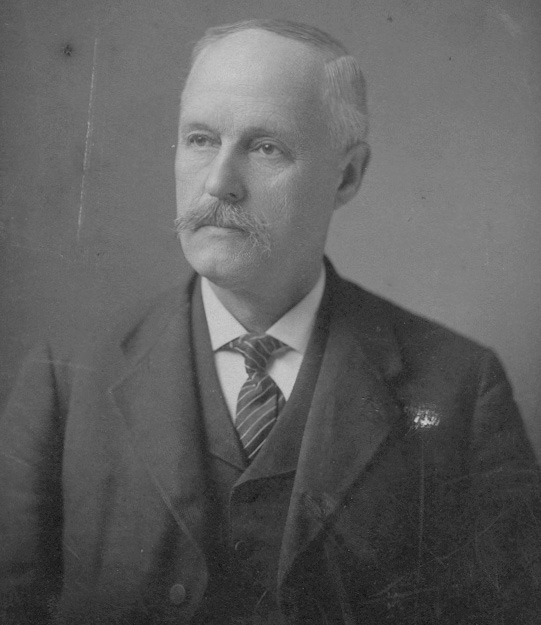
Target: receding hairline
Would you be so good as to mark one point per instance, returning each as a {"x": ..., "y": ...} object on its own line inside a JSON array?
[
  {"x": 260, "y": 46},
  {"x": 315, "y": 38}
]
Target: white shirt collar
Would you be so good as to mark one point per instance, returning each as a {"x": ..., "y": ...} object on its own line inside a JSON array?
[{"x": 293, "y": 329}]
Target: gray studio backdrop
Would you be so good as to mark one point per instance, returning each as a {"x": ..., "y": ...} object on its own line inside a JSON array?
[{"x": 448, "y": 219}]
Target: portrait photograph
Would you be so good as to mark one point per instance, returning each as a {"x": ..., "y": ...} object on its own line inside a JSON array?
[{"x": 270, "y": 294}]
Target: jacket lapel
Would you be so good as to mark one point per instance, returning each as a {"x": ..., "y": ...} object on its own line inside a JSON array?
[
  {"x": 159, "y": 408},
  {"x": 351, "y": 415}
]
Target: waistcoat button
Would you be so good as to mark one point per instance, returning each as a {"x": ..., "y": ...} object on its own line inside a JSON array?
[
  {"x": 177, "y": 594},
  {"x": 242, "y": 549}
]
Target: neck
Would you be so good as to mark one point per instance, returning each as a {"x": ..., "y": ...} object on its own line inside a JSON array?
[{"x": 256, "y": 311}]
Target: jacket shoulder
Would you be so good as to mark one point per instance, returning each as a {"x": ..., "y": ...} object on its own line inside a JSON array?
[
  {"x": 421, "y": 341},
  {"x": 103, "y": 350}
]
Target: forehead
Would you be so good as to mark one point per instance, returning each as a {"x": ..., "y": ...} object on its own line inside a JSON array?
[
  {"x": 257, "y": 54},
  {"x": 255, "y": 72}
]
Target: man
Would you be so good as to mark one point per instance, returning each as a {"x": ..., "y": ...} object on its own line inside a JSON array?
[{"x": 269, "y": 443}]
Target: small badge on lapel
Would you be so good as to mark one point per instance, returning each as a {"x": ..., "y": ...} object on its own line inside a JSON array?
[{"x": 423, "y": 417}]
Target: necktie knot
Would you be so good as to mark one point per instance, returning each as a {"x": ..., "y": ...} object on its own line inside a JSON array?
[{"x": 257, "y": 349}]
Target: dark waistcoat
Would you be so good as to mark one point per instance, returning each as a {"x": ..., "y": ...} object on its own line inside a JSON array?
[{"x": 248, "y": 504}]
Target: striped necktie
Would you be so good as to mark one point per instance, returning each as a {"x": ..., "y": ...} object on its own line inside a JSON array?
[{"x": 260, "y": 400}]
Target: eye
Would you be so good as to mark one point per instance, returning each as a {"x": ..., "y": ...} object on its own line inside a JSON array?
[
  {"x": 268, "y": 149},
  {"x": 199, "y": 140}
]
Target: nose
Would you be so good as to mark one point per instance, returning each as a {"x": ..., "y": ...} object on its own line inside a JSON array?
[{"x": 224, "y": 180}]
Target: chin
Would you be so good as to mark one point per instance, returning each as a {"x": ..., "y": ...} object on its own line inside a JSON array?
[{"x": 225, "y": 268}]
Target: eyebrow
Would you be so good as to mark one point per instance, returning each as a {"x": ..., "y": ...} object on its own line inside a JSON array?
[
  {"x": 250, "y": 131},
  {"x": 195, "y": 126}
]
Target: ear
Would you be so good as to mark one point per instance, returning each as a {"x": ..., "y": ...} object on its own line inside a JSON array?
[{"x": 352, "y": 168}]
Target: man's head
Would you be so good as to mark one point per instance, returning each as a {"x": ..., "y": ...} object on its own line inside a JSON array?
[{"x": 271, "y": 141}]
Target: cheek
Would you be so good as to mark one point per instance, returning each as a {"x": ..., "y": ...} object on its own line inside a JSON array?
[
  {"x": 190, "y": 167},
  {"x": 293, "y": 195},
  {"x": 189, "y": 183},
  {"x": 276, "y": 201}
]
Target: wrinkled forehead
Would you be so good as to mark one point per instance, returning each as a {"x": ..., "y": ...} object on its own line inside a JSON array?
[{"x": 259, "y": 62}]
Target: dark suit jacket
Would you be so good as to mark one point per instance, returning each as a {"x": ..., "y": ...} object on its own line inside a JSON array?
[{"x": 415, "y": 500}]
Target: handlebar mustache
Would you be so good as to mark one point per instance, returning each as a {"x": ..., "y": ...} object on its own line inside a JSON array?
[{"x": 224, "y": 215}]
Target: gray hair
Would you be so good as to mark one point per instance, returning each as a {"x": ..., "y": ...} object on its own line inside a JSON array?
[{"x": 344, "y": 93}]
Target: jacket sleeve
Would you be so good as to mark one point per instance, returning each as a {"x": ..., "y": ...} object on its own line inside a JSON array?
[
  {"x": 505, "y": 501},
  {"x": 31, "y": 434}
]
